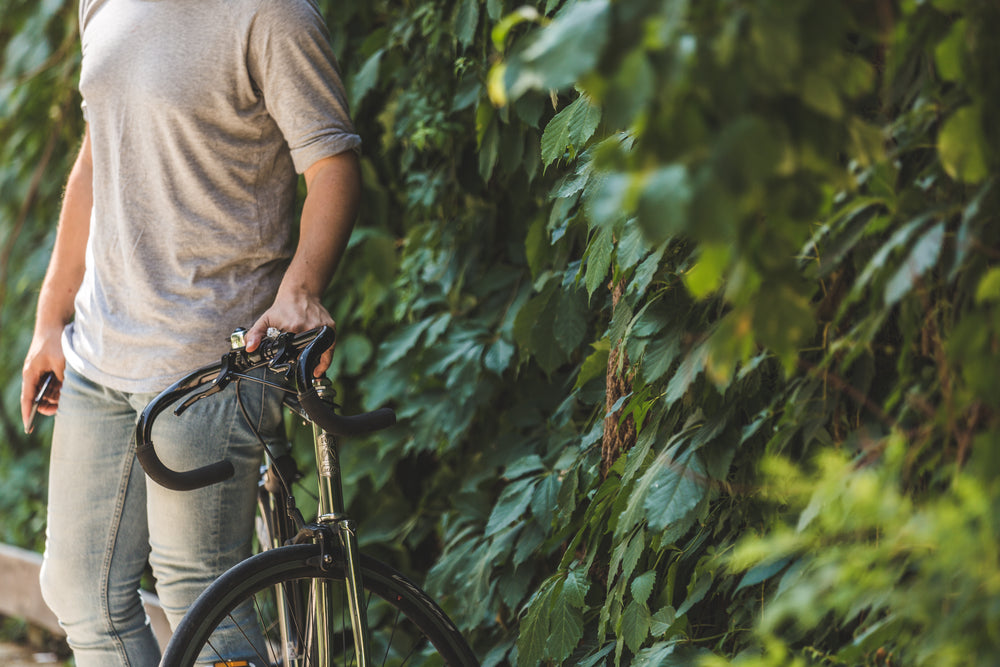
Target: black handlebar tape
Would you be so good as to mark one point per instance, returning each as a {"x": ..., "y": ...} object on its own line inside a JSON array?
[
  {"x": 321, "y": 412},
  {"x": 181, "y": 481},
  {"x": 146, "y": 454}
]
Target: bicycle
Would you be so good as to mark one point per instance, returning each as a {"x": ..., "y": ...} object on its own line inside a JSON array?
[{"x": 310, "y": 597}]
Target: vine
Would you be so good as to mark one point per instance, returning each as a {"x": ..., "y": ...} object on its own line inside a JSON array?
[{"x": 795, "y": 204}]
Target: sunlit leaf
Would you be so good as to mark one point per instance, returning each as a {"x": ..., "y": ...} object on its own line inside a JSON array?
[
  {"x": 988, "y": 290},
  {"x": 554, "y": 57},
  {"x": 707, "y": 273},
  {"x": 948, "y": 53},
  {"x": 961, "y": 145}
]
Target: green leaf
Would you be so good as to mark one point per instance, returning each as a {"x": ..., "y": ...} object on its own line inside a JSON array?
[
  {"x": 783, "y": 319},
  {"x": 697, "y": 588},
  {"x": 878, "y": 260},
  {"x": 635, "y": 625},
  {"x": 968, "y": 230},
  {"x": 665, "y": 201},
  {"x": 569, "y": 130},
  {"x": 961, "y": 145},
  {"x": 598, "y": 658},
  {"x": 923, "y": 256},
  {"x": 661, "y": 352},
  {"x": 543, "y": 503},
  {"x": 566, "y": 624},
  {"x": 654, "y": 320},
  {"x": 498, "y": 356},
  {"x": 820, "y": 93},
  {"x": 631, "y": 89},
  {"x": 609, "y": 197},
  {"x": 511, "y": 505},
  {"x": 466, "y": 21},
  {"x": 706, "y": 276},
  {"x": 689, "y": 370},
  {"x": 556, "y": 56},
  {"x": 571, "y": 319},
  {"x": 676, "y": 486},
  {"x": 489, "y": 149},
  {"x": 762, "y": 572},
  {"x": 642, "y": 586},
  {"x": 645, "y": 272},
  {"x": 633, "y": 552},
  {"x": 366, "y": 78},
  {"x": 509, "y": 22},
  {"x": 399, "y": 344},
  {"x": 595, "y": 365},
  {"x": 658, "y": 655},
  {"x": 988, "y": 289},
  {"x": 523, "y": 466},
  {"x": 632, "y": 246},
  {"x": 537, "y": 247},
  {"x": 533, "y": 330},
  {"x": 662, "y": 620},
  {"x": 598, "y": 260},
  {"x": 356, "y": 351},
  {"x": 575, "y": 588},
  {"x": 533, "y": 635},
  {"x": 948, "y": 53}
]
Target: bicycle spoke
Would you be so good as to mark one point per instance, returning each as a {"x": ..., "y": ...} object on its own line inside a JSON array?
[
  {"x": 218, "y": 656},
  {"x": 260, "y": 616},
  {"x": 388, "y": 644}
]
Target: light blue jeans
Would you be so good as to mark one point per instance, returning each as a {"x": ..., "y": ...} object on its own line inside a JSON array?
[{"x": 105, "y": 518}]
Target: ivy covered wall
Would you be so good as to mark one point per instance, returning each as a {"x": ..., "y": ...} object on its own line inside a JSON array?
[{"x": 690, "y": 311}]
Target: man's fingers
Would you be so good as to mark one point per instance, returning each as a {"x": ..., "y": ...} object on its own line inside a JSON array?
[
  {"x": 256, "y": 334},
  {"x": 26, "y": 396},
  {"x": 324, "y": 363}
]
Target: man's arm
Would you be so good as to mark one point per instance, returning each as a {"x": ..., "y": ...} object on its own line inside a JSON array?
[
  {"x": 61, "y": 283},
  {"x": 333, "y": 189}
]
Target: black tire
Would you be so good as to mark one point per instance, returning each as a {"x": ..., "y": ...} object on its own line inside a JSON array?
[{"x": 399, "y": 614}]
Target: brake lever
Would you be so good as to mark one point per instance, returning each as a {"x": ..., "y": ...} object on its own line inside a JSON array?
[
  {"x": 281, "y": 361},
  {"x": 274, "y": 345},
  {"x": 218, "y": 384}
]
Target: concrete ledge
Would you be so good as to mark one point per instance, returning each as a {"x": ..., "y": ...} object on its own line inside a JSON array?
[{"x": 21, "y": 596}]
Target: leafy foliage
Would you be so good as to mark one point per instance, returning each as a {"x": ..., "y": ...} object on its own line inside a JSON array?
[{"x": 774, "y": 222}]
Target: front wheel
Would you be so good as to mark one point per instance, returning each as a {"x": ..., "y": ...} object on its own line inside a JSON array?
[{"x": 235, "y": 621}]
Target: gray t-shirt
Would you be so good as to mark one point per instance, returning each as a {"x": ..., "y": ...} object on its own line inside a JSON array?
[{"x": 200, "y": 113}]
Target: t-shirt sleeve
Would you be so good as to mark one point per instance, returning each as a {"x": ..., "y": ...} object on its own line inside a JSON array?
[{"x": 291, "y": 63}]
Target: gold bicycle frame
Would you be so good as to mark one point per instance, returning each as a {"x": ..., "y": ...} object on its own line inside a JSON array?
[{"x": 331, "y": 516}]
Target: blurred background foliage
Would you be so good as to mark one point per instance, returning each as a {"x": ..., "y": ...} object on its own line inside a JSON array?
[{"x": 690, "y": 311}]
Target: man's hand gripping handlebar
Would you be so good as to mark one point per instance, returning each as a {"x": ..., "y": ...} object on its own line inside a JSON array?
[{"x": 280, "y": 352}]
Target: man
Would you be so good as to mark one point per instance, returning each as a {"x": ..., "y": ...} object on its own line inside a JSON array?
[{"x": 176, "y": 227}]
